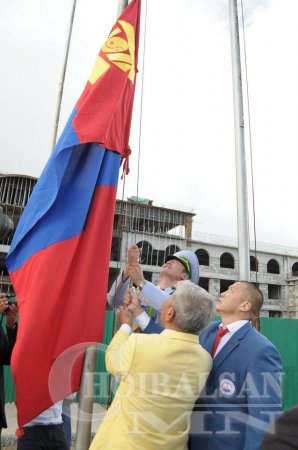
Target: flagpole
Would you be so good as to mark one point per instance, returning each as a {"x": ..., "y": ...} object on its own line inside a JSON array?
[
  {"x": 241, "y": 175},
  {"x": 62, "y": 78},
  {"x": 122, "y": 4},
  {"x": 85, "y": 408}
]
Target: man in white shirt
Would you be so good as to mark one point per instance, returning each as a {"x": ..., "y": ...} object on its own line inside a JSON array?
[
  {"x": 182, "y": 265},
  {"x": 45, "y": 432}
]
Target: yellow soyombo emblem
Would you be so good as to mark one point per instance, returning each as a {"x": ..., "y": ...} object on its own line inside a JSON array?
[{"x": 114, "y": 49}]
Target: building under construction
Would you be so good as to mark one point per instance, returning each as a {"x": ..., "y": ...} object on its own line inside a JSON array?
[{"x": 160, "y": 231}]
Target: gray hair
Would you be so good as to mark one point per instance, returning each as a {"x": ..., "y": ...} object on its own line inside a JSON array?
[{"x": 194, "y": 307}]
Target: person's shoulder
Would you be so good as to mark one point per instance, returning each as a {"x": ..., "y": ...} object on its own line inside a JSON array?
[
  {"x": 150, "y": 343},
  {"x": 257, "y": 335},
  {"x": 211, "y": 327},
  {"x": 146, "y": 337},
  {"x": 155, "y": 338},
  {"x": 261, "y": 341}
]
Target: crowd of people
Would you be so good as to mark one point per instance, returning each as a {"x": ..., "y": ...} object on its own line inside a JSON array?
[{"x": 186, "y": 381}]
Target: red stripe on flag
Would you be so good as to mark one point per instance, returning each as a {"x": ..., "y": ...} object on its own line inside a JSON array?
[{"x": 68, "y": 288}]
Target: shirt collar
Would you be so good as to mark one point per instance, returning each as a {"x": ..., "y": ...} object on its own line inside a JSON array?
[{"x": 234, "y": 326}]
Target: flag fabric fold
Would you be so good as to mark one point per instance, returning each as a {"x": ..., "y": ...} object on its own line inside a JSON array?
[{"x": 59, "y": 258}]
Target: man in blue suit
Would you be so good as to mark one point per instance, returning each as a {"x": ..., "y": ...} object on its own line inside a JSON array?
[{"x": 243, "y": 391}]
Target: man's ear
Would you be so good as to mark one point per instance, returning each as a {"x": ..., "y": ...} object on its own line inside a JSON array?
[
  {"x": 184, "y": 276},
  {"x": 245, "y": 306},
  {"x": 170, "y": 314}
]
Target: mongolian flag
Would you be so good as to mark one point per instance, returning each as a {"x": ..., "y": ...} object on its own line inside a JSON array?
[{"x": 59, "y": 257}]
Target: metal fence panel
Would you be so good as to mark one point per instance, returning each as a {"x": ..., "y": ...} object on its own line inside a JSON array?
[{"x": 283, "y": 333}]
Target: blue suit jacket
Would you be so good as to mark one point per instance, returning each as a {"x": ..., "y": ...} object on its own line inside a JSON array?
[{"x": 242, "y": 395}]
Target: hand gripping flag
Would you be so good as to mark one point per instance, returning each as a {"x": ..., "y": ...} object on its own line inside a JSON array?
[{"x": 59, "y": 257}]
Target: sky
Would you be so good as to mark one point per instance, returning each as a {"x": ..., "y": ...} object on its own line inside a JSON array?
[{"x": 183, "y": 125}]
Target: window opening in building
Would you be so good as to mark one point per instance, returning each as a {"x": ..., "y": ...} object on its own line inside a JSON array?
[
  {"x": 295, "y": 269},
  {"x": 146, "y": 253},
  {"x": 227, "y": 261},
  {"x": 203, "y": 257},
  {"x": 275, "y": 314},
  {"x": 274, "y": 291},
  {"x": 171, "y": 249},
  {"x": 204, "y": 283},
  {"x": 254, "y": 267},
  {"x": 115, "y": 250},
  {"x": 272, "y": 266},
  {"x": 224, "y": 285}
]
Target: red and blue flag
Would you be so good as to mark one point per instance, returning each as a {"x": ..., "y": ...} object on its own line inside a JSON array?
[{"x": 59, "y": 257}]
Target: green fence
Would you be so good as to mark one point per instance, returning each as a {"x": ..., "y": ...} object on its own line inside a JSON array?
[
  {"x": 102, "y": 378},
  {"x": 8, "y": 381},
  {"x": 284, "y": 335},
  {"x": 282, "y": 332}
]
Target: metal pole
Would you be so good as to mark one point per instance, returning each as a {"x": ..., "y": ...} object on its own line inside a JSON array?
[
  {"x": 62, "y": 78},
  {"x": 84, "y": 420},
  {"x": 241, "y": 176},
  {"x": 122, "y": 4}
]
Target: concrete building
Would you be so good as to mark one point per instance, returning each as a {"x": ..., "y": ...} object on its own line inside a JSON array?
[
  {"x": 15, "y": 191},
  {"x": 160, "y": 231}
]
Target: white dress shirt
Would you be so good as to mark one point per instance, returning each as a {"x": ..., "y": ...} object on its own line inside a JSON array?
[
  {"x": 51, "y": 416},
  {"x": 232, "y": 327}
]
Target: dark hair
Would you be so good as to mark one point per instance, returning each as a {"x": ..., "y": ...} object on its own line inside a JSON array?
[{"x": 254, "y": 295}]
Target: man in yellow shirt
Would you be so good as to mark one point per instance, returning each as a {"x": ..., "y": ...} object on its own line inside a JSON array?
[{"x": 161, "y": 375}]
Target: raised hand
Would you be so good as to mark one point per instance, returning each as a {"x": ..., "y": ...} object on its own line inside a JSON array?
[
  {"x": 124, "y": 316},
  {"x": 132, "y": 304}
]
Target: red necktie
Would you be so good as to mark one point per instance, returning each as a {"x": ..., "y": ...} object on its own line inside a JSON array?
[{"x": 221, "y": 332}]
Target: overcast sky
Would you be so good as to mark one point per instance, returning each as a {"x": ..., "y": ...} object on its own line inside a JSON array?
[{"x": 187, "y": 155}]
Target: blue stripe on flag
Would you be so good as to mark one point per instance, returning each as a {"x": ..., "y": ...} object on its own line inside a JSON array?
[{"x": 68, "y": 204}]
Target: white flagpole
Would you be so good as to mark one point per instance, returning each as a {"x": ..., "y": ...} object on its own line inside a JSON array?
[
  {"x": 84, "y": 420},
  {"x": 85, "y": 408},
  {"x": 62, "y": 78},
  {"x": 122, "y": 4},
  {"x": 241, "y": 175}
]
